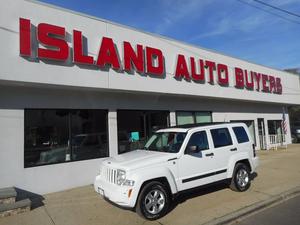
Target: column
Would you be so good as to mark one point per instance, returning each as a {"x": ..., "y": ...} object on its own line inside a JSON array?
[
  {"x": 172, "y": 118},
  {"x": 112, "y": 132}
]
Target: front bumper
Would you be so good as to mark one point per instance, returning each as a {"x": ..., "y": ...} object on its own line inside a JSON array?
[{"x": 115, "y": 193}]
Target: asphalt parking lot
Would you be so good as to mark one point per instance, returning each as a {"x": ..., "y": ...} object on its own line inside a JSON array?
[{"x": 278, "y": 173}]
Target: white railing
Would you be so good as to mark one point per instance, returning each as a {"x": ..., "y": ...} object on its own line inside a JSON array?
[{"x": 277, "y": 140}]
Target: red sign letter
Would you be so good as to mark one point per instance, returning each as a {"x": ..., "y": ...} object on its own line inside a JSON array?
[
  {"x": 257, "y": 78},
  {"x": 79, "y": 57},
  {"x": 222, "y": 80},
  {"x": 272, "y": 84},
  {"x": 25, "y": 40},
  {"x": 279, "y": 86},
  {"x": 108, "y": 54},
  {"x": 151, "y": 55},
  {"x": 181, "y": 68},
  {"x": 249, "y": 82},
  {"x": 200, "y": 75},
  {"x": 239, "y": 78},
  {"x": 211, "y": 66},
  {"x": 45, "y": 37},
  {"x": 130, "y": 57},
  {"x": 264, "y": 82}
]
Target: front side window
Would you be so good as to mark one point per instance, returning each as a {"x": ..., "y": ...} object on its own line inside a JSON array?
[
  {"x": 199, "y": 141},
  {"x": 61, "y": 135},
  {"x": 240, "y": 134},
  {"x": 165, "y": 142},
  {"x": 221, "y": 137}
]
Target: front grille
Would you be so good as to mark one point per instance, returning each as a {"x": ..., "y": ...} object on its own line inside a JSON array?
[{"x": 111, "y": 175}]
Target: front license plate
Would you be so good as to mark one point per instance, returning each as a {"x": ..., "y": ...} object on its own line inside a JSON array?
[{"x": 101, "y": 191}]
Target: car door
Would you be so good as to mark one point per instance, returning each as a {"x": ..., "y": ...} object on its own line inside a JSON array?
[
  {"x": 223, "y": 148},
  {"x": 197, "y": 162}
]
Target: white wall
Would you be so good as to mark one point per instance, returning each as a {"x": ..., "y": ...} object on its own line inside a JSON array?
[{"x": 21, "y": 70}]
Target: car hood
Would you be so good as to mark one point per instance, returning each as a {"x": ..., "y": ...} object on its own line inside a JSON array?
[{"x": 138, "y": 159}]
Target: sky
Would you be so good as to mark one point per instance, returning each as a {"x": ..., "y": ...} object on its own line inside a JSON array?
[{"x": 240, "y": 28}]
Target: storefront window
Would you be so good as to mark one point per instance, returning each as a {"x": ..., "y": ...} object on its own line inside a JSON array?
[
  {"x": 274, "y": 127},
  {"x": 55, "y": 136},
  {"x": 136, "y": 126},
  {"x": 184, "y": 117}
]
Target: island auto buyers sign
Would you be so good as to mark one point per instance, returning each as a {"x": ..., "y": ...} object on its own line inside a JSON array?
[{"x": 148, "y": 60}]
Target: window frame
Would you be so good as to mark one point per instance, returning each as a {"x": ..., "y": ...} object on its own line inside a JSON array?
[{"x": 69, "y": 134}]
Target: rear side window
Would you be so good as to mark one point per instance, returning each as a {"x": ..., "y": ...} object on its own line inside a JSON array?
[
  {"x": 221, "y": 137},
  {"x": 240, "y": 134}
]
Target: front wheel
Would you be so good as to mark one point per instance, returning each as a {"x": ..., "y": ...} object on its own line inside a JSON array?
[
  {"x": 240, "y": 180},
  {"x": 153, "y": 201}
]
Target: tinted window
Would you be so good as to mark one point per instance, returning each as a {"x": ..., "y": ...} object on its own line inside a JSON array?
[
  {"x": 60, "y": 135},
  {"x": 199, "y": 139},
  {"x": 221, "y": 137},
  {"x": 240, "y": 134}
]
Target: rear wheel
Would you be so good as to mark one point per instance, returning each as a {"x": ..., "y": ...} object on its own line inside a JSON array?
[
  {"x": 240, "y": 180},
  {"x": 153, "y": 201}
]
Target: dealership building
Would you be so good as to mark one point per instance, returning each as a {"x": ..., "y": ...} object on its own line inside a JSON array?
[{"x": 75, "y": 89}]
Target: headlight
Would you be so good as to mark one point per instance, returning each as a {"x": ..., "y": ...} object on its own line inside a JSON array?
[
  {"x": 121, "y": 176},
  {"x": 121, "y": 179}
]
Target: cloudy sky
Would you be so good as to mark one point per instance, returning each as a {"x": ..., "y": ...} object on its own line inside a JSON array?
[{"x": 241, "y": 28}]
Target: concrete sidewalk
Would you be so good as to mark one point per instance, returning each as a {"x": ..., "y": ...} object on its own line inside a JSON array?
[{"x": 278, "y": 173}]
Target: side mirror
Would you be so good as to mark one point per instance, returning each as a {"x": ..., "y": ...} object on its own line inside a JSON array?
[{"x": 191, "y": 149}]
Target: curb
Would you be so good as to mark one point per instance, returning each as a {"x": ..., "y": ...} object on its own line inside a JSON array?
[{"x": 255, "y": 207}]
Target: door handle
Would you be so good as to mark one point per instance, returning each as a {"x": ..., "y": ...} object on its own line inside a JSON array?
[
  {"x": 233, "y": 149},
  {"x": 210, "y": 154}
]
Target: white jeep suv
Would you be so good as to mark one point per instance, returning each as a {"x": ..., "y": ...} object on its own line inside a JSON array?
[{"x": 176, "y": 159}]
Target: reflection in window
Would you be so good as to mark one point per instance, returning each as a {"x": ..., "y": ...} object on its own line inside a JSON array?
[{"x": 54, "y": 136}]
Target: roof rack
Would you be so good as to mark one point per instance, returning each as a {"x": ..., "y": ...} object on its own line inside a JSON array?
[{"x": 199, "y": 125}]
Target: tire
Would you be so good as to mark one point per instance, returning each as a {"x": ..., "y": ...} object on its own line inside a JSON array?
[
  {"x": 240, "y": 180},
  {"x": 153, "y": 201}
]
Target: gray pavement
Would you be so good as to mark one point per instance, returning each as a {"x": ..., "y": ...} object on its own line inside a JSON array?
[
  {"x": 287, "y": 212},
  {"x": 278, "y": 173}
]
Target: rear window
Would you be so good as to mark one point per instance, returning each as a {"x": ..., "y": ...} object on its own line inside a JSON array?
[
  {"x": 221, "y": 137},
  {"x": 240, "y": 134}
]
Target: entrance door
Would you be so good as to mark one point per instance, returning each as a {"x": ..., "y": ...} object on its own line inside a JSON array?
[
  {"x": 136, "y": 126},
  {"x": 262, "y": 133}
]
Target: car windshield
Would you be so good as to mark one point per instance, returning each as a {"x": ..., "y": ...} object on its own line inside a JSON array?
[{"x": 165, "y": 142}]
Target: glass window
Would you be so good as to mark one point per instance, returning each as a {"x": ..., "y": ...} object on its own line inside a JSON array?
[
  {"x": 198, "y": 139},
  {"x": 60, "y": 135},
  {"x": 136, "y": 126},
  {"x": 240, "y": 134},
  {"x": 89, "y": 134},
  {"x": 184, "y": 117},
  {"x": 203, "y": 117},
  {"x": 165, "y": 142},
  {"x": 221, "y": 137}
]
